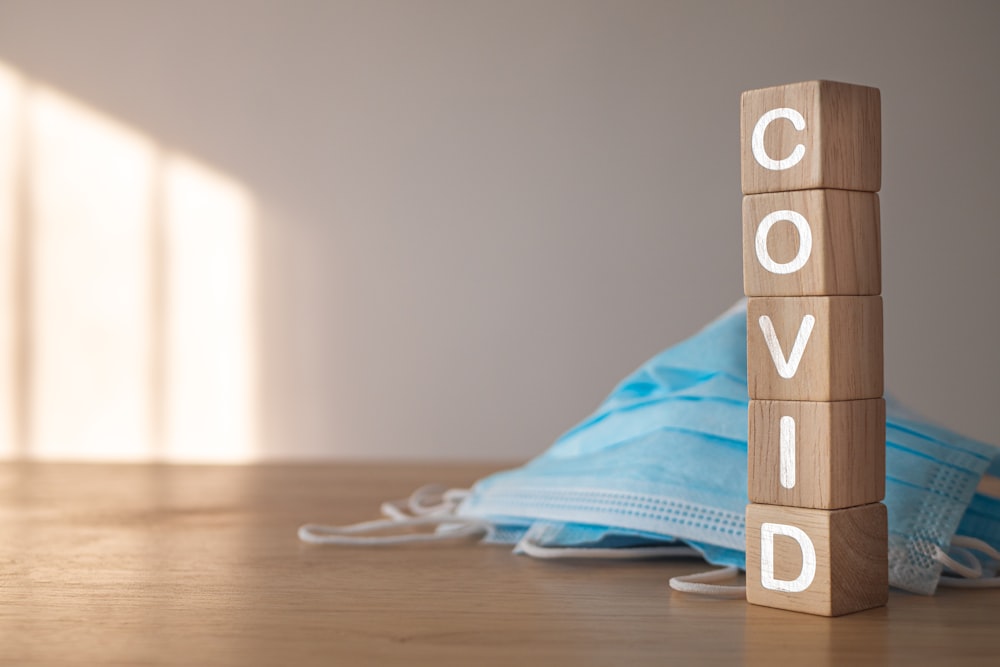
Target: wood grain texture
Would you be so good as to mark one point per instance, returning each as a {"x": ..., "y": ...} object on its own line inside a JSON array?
[
  {"x": 844, "y": 255},
  {"x": 839, "y": 453},
  {"x": 842, "y": 359},
  {"x": 171, "y": 565},
  {"x": 851, "y": 546},
  {"x": 841, "y": 137}
]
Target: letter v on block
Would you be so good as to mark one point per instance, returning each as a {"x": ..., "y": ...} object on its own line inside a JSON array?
[
  {"x": 833, "y": 346},
  {"x": 786, "y": 367}
]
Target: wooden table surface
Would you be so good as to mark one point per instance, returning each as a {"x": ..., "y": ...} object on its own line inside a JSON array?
[{"x": 135, "y": 565}]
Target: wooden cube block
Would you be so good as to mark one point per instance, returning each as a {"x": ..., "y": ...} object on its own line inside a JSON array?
[
  {"x": 815, "y": 134},
  {"x": 811, "y": 242},
  {"x": 826, "y": 455},
  {"x": 821, "y": 562},
  {"x": 814, "y": 348}
]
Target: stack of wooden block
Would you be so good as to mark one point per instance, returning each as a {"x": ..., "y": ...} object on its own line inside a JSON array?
[{"x": 811, "y": 167}]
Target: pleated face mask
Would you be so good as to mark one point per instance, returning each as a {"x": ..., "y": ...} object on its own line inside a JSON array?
[{"x": 661, "y": 468}]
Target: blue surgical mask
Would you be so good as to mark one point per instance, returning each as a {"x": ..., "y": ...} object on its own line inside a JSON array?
[{"x": 661, "y": 467}]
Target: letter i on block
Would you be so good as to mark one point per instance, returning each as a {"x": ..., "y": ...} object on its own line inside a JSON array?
[{"x": 811, "y": 165}]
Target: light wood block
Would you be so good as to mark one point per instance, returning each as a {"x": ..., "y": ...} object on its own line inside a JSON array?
[
  {"x": 821, "y": 348},
  {"x": 837, "y": 144},
  {"x": 811, "y": 242},
  {"x": 823, "y": 455},
  {"x": 821, "y": 562}
]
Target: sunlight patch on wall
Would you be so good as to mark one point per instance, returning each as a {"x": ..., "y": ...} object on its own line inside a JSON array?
[
  {"x": 11, "y": 105},
  {"x": 209, "y": 315},
  {"x": 128, "y": 271},
  {"x": 91, "y": 186}
]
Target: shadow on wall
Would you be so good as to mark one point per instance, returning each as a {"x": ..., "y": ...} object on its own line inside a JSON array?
[{"x": 127, "y": 323}]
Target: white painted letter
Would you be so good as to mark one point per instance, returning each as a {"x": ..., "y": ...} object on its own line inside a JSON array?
[
  {"x": 787, "y": 428},
  {"x": 787, "y": 369},
  {"x": 757, "y": 139},
  {"x": 805, "y": 242},
  {"x": 808, "y": 573}
]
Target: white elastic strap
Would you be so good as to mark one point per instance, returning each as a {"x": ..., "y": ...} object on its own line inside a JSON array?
[
  {"x": 976, "y": 544},
  {"x": 430, "y": 505},
  {"x": 970, "y": 577},
  {"x": 701, "y": 583},
  {"x": 431, "y": 499},
  {"x": 957, "y": 582},
  {"x": 452, "y": 527},
  {"x": 626, "y": 553},
  {"x": 972, "y": 571}
]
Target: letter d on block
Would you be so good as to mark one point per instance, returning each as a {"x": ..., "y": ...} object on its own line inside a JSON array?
[
  {"x": 844, "y": 565},
  {"x": 808, "y": 572}
]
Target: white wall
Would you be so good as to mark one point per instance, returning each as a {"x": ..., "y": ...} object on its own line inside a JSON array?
[{"x": 475, "y": 218}]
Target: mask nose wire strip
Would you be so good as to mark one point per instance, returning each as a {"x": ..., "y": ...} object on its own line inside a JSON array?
[
  {"x": 703, "y": 583},
  {"x": 631, "y": 553}
]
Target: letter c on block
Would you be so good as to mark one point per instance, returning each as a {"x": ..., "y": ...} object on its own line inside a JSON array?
[
  {"x": 805, "y": 242},
  {"x": 808, "y": 573},
  {"x": 757, "y": 139}
]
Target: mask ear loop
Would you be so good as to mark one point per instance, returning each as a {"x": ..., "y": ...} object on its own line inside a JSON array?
[
  {"x": 450, "y": 528},
  {"x": 428, "y": 500},
  {"x": 700, "y": 583},
  {"x": 703, "y": 583},
  {"x": 430, "y": 505},
  {"x": 970, "y": 577},
  {"x": 536, "y": 550}
]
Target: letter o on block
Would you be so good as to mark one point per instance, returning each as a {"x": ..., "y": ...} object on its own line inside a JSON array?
[
  {"x": 805, "y": 242},
  {"x": 811, "y": 242}
]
